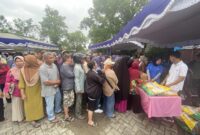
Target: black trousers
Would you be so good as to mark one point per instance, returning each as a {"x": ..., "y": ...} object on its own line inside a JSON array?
[
  {"x": 7, "y": 99},
  {"x": 1, "y": 109}
]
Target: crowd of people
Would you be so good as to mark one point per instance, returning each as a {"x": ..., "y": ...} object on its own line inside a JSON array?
[{"x": 45, "y": 84}]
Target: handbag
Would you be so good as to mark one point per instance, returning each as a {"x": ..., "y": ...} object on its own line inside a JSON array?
[
  {"x": 11, "y": 88},
  {"x": 110, "y": 84}
]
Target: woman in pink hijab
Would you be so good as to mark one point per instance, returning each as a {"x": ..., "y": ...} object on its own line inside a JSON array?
[{"x": 11, "y": 89}]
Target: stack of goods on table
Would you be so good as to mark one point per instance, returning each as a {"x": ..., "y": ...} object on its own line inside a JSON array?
[
  {"x": 134, "y": 84},
  {"x": 155, "y": 89},
  {"x": 189, "y": 120}
]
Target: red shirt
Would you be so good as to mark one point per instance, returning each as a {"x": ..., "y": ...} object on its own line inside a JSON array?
[
  {"x": 3, "y": 71},
  {"x": 134, "y": 72}
]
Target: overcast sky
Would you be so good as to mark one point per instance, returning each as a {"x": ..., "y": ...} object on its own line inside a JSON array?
[{"x": 73, "y": 10}]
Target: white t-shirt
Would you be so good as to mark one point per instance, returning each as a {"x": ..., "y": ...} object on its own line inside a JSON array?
[{"x": 177, "y": 70}]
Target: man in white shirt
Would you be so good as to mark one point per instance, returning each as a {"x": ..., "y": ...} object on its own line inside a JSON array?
[{"x": 177, "y": 73}]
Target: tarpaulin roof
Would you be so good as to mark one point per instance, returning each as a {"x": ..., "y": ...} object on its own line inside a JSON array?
[
  {"x": 164, "y": 23},
  {"x": 13, "y": 41}
]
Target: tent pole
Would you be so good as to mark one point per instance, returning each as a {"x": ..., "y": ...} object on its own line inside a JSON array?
[{"x": 110, "y": 51}]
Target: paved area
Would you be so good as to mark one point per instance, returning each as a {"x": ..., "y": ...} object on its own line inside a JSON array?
[{"x": 124, "y": 124}]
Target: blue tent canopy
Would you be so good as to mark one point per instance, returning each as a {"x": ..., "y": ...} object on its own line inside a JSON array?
[
  {"x": 13, "y": 41},
  {"x": 161, "y": 22}
]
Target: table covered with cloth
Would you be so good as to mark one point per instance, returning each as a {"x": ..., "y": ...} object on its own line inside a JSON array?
[{"x": 160, "y": 106}]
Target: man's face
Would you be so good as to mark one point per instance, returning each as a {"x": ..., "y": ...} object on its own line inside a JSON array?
[
  {"x": 172, "y": 59},
  {"x": 39, "y": 55},
  {"x": 70, "y": 60},
  {"x": 55, "y": 57},
  {"x": 50, "y": 59},
  {"x": 88, "y": 59}
]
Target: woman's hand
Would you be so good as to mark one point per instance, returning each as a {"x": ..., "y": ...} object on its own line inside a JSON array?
[
  {"x": 152, "y": 80},
  {"x": 163, "y": 83},
  {"x": 131, "y": 90},
  {"x": 23, "y": 96},
  {"x": 168, "y": 85},
  {"x": 47, "y": 83},
  {"x": 7, "y": 95},
  {"x": 1, "y": 94}
]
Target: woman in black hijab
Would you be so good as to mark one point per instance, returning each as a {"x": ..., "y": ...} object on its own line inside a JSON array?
[{"x": 121, "y": 70}]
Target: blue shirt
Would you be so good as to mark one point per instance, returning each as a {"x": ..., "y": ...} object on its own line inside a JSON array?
[
  {"x": 155, "y": 70},
  {"x": 48, "y": 73},
  {"x": 79, "y": 78}
]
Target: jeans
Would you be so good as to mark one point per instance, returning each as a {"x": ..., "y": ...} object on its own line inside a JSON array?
[
  {"x": 78, "y": 105},
  {"x": 58, "y": 102},
  {"x": 50, "y": 107},
  {"x": 108, "y": 105}
]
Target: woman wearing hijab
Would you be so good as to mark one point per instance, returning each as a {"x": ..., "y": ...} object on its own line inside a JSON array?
[
  {"x": 155, "y": 70},
  {"x": 30, "y": 86},
  {"x": 11, "y": 88},
  {"x": 121, "y": 70},
  {"x": 134, "y": 99},
  {"x": 109, "y": 87},
  {"x": 4, "y": 68}
]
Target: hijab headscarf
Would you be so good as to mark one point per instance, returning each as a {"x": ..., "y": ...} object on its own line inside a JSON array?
[
  {"x": 134, "y": 71},
  {"x": 135, "y": 65},
  {"x": 16, "y": 71},
  {"x": 3, "y": 62},
  {"x": 30, "y": 71}
]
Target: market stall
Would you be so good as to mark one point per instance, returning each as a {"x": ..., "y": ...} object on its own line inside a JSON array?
[
  {"x": 161, "y": 101},
  {"x": 160, "y": 106},
  {"x": 165, "y": 24}
]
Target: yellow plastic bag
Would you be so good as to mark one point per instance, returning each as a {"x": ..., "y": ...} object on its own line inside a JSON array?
[
  {"x": 188, "y": 121},
  {"x": 187, "y": 110}
]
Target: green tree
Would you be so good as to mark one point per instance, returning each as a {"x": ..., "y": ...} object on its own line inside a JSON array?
[
  {"x": 53, "y": 25},
  {"x": 75, "y": 41},
  {"x": 5, "y": 27},
  {"x": 107, "y": 17},
  {"x": 25, "y": 27}
]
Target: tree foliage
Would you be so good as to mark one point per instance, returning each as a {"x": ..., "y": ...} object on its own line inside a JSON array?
[
  {"x": 75, "y": 41},
  {"x": 5, "y": 27},
  {"x": 107, "y": 17},
  {"x": 53, "y": 25},
  {"x": 20, "y": 27},
  {"x": 25, "y": 27}
]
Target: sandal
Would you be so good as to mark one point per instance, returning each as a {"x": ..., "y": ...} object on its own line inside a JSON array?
[
  {"x": 80, "y": 117},
  {"x": 94, "y": 124},
  {"x": 113, "y": 116},
  {"x": 69, "y": 119},
  {"x": 54, "y": 120},
  {"x": 35, "y": 124},
  {"x": 168, "y": 120}
]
